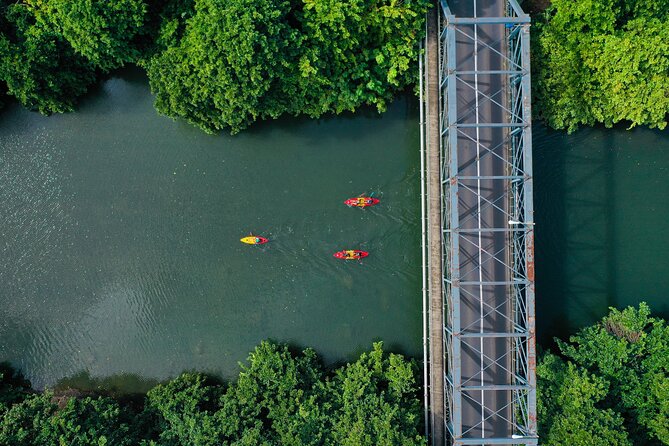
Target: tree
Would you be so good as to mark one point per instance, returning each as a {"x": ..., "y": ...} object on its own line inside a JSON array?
[
  {"x": 227, "y": 68},
  {"x": 102, "y": 31},
  {"x": 632, "y": 70},
  {"x": 185, "y": 410},
  {"x": 170, "y": 23},
  {"x": 374, "y": 402},
  {"x": 13, "y": 387},
  {"x": 277, "y": 398},
  {"x": 629, "y": 350},
  {"x": 602, "y": 61},
  {"x": 237, "y": 61},
  {"x": 38, "y": 420},
  {"x": 286, "y": 398},
  {"x": 40, "y": 69},
  {"x": 23, "y": 423},
  {"x": 568, "y": 411},
  {"x": 281, "y": 397},
  {"x": 357, "y": 52}
]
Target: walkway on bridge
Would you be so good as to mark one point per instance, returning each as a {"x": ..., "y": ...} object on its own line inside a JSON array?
[{"x": 486, "y": 377}]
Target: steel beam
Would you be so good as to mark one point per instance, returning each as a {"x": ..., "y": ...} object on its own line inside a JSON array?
[
  {"x": 505, "y": 441},
  {"x": 528, "y": 207},
  {"x": 454, "y": 249},
  {"x": 489, "y": 20}
]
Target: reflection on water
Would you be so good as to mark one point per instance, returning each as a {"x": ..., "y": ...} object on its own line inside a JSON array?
[{"x": 602, "y": 210}]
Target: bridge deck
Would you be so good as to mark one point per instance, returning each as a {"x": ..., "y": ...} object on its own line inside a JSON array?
[
  {"x": 482, "y": 255},
  {"x": 487, "y": 237}
]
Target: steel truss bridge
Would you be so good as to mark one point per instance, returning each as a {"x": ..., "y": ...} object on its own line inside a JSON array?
[{"x": 482, "y": 100}]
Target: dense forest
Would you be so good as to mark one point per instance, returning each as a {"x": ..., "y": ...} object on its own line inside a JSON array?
[
  {"x": 280, "y": 397},
  {"x": 219, "y": 64},
  {"x": 601, "y": 61}
]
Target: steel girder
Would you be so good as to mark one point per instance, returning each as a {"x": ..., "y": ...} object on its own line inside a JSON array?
[{"x": 488, "y": 228}]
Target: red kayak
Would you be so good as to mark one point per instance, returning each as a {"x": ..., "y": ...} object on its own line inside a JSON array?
[
  {"x": 351, "y": 254},
  {"x": 361, "y": 202}
]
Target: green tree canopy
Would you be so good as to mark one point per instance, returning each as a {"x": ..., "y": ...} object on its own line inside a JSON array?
[
  {"x": 37, "y": 421},
  {"x": 602, "y": 61},
  {"x": 614, "y": 387},
  {"x": 629, "y": 349},
  {"x": 102, "y": 31},
  {"x": 568, "y": 411},
  {"x": 281, "y": 397},
  {"x": 226, "y": 70},
  {"x": 219, "y": 64},
  {"x": 236, "y": 61},
  {"x": 357, "y": 52},
  {"x": 40, "y": 68},
  {"x": 286, "y": 398},
  {"x": 373, "y": 402}
]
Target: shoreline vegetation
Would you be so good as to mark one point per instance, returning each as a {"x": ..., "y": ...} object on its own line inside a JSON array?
[
  {"x": 600, "y": 62},
  {"x": 608, "y": 385},
  {"x": 224, "y": 64},
  {"x": 280, "y": 397},
  {"x": 218, "y": 64}
]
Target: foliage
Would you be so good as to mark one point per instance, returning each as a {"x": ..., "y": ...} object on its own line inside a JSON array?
[
  {"x": 629, "y": 349},
  {"x": 280, "y": 397},
  {"x": 37, "y": 420},
  {"x": 277, "y": 399},
  {"x": 567, "y": 407},
  {"x": 171, "y": 18},
  {"x": 357, "y": 52},
  {"x": 373, "y": 404},
  {"x": 241, "y": 60},
  {"x": 219, "y": 64},
  {"x": 616, "y": 368},
  {"x": 102, "y": 31},
  {"x": 40, "y": 68},
  {"x": 602, "y": 61},
  {"x": 226, "y": 69},
  {"x": 185, "y": 410},
  {"x": 13, "y": 387}
]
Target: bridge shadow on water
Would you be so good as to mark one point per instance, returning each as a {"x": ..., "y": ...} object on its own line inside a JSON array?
[{"x": 576, "y": 227}]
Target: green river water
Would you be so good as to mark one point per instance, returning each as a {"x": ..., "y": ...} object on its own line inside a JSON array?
[
  {"x": 120, "y": 252},
  {"x": 601, "y": 203}
]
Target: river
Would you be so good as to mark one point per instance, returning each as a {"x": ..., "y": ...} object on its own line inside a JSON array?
[
  {"x": 121, "y": 259},
  {"x": 602, "y": 211},
  {"x": 120, "y": 238}
]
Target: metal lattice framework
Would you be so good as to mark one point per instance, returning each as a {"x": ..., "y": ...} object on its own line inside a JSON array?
[{"x": 487, "y": 218}]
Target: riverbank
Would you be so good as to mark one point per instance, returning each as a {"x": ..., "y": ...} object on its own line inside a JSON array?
[{"x": 282, "y": 396}]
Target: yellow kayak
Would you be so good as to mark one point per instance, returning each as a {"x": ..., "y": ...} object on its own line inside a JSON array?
[{"x": 253, "y": 240}]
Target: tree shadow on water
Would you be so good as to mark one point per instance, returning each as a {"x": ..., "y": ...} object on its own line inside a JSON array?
[{"x": 122, "y": 385}]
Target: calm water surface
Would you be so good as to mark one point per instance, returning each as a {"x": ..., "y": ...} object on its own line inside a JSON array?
[
  {"x": 120, "y": 253},
  {"x": 120, "y": 238},
  {"x": 602, "y": 212}
]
